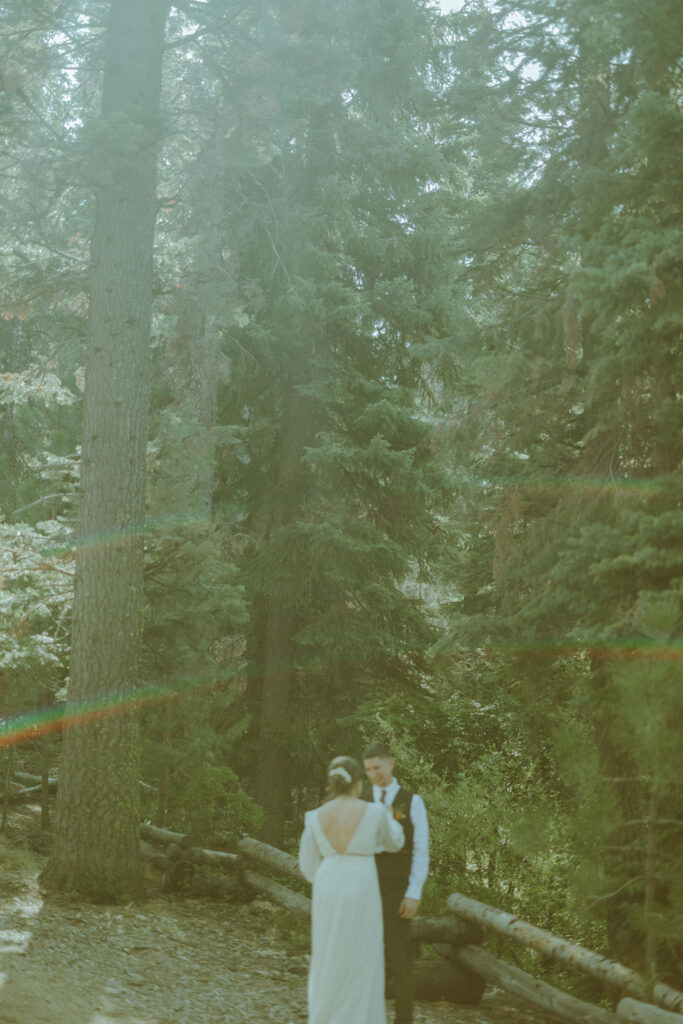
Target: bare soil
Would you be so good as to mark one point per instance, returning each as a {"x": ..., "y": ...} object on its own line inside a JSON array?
[{"x": 169, "y": 961}]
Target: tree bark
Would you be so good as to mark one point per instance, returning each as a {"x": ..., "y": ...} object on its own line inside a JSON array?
[{"x": 96, "y": 849}]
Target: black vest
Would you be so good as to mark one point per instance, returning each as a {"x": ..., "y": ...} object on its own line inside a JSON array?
[{"x": 394, "y": 868}]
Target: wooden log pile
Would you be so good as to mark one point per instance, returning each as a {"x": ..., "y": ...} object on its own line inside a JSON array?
[
  {"x": 531, "y": 990},
  {"x": 25, "y": 786},
  {"x": 434, "y": 979},
  {"x": 660, "y": 1003},
  {"x": 173, "y": 854},
  {"x": 464, "y": 968}
]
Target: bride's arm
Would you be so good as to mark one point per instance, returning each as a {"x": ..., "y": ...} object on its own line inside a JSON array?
[
  {"x": 309, "y": 855},
  {"x": 390, "y": 835}
]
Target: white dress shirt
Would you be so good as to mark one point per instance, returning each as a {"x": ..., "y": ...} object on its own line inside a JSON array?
[{"x": 418, "y": 815}]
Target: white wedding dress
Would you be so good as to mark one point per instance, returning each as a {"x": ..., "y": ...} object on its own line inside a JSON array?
[{"x": 346, "y": 978}]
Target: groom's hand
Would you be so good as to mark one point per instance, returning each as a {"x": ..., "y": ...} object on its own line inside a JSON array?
[{"x": 408, "y": 908}]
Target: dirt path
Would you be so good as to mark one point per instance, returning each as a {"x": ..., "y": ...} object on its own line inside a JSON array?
[{"x": 171, "y": 961}]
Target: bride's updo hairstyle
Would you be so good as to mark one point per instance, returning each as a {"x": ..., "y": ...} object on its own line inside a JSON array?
[{"x": 341, "y": 776}]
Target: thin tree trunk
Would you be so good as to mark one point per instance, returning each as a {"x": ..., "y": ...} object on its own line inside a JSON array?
[
  {"x": 162, "y": 798},
  {"x": 8, "y": 779},
  {"x": 211, "y": 263},
  {"x": 44, "y": 783},
  {"x": 11, "y": 364},
  {"x": 275, "y": 709},
  {"x": 651, "y": 888},
  {"x": 96, "y": 849}
]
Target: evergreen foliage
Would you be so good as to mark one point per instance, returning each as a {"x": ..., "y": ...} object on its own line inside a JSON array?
[
  {"x": 414, "y": 461},
  {"x": 570, "y": 446},
  {"x": 339, "y": 231}
]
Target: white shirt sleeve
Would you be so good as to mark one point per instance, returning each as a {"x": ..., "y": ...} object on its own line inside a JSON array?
[
  {"x": 309, "y": 854},
  {"x": 420, "y": 863},
  {"x": 390, "y": 835}
]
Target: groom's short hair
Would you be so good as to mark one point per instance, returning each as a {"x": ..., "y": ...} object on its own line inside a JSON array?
[{"x": 376, "y": 750}]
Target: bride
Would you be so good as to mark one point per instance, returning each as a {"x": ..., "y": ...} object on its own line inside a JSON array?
[{"x": 346, "y": 978}]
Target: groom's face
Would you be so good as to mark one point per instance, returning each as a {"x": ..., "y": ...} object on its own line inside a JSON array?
[{"x": 380, "y": 770}]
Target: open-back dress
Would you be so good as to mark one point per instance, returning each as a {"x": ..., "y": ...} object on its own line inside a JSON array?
[{"x": 346, "y": 978}]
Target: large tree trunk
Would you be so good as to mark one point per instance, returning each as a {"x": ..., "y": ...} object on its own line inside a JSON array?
[{"x": 96, "y": 848}]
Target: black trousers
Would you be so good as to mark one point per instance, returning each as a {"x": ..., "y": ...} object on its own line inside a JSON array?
[{"x": 398, "y": 954}]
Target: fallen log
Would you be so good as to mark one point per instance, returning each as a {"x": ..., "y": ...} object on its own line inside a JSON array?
[
  {"x": 52, "y": 782},
  {"x": 172, "y": 851},
  {"x": 538, "y": 993},
  {"x": 25, "y": 793},
  {"x": 176, "y": 867},
  {"x": 271, "y": 857},
  {"x": 644, "y": 1013},
  {"x": 154, "y": 855},
  {"x": 215, "y": 858},
  {"x": 34, "y": 780},
  {"x": 424, "y": 929},
  {"x": 433, "y": 980},
  {"x": 453, "y": 930},
  {"x": 567, "y": 952},
  {"x": 292, "y": 901},
  {"x": 163, "y": 836}
]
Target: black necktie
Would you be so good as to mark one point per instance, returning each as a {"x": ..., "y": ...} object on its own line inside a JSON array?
[{"x": 384, "y": 793}]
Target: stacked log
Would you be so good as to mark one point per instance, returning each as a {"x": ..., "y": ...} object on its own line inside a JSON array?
[
  {"x": 33, "y": 781},
  {"x": 173, "y": 854},
  {"x": 433, "y": 979},
  {"x": 644, "y": 1013},
  {"x": 538, "y": 993},
  {"x": 16, "y": 794},
  {"x": 280, "y": 894},
  {"x": 164, "y": 836},
  {"x": 609, "y": 971},
  {"x": 271, "y": 857},
  {"x": 461, "y": 974}
]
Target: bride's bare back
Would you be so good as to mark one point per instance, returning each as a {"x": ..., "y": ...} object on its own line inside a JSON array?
[{"x": 339, "y": 820}]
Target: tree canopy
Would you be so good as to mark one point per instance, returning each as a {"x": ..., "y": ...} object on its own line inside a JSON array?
[{"x": 407, "y": 455}]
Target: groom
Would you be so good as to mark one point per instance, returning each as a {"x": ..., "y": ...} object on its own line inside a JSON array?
[{"x": 401, "y": 875}]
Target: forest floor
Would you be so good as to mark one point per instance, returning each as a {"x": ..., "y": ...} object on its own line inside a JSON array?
[{"x": 168, "y": 961}]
